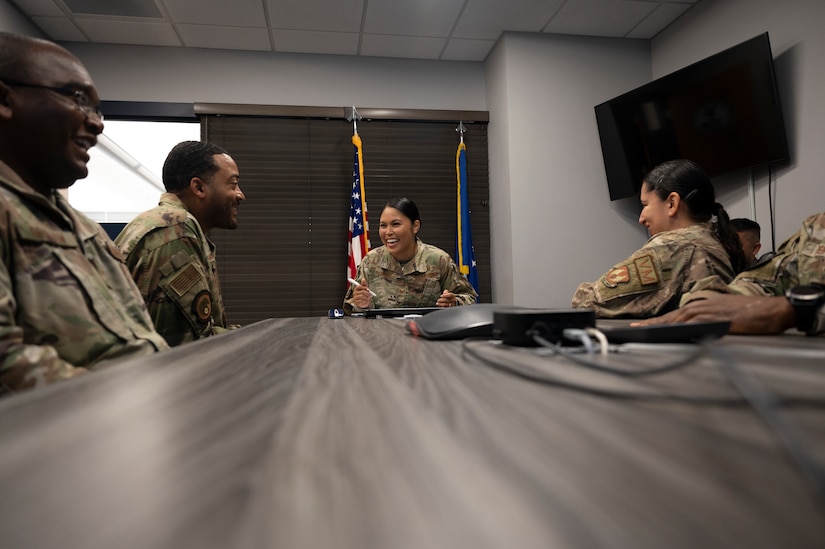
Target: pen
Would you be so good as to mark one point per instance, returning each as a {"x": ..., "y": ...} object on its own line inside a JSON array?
[{"x": 359, "y": 284}]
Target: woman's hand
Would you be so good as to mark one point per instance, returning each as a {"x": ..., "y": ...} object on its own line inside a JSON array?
[
  {"x": 447, "y": 299},
  {"x": 361, "y": 295}
]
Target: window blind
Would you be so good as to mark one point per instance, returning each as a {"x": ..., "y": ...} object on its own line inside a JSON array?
[{"x": 288, "y": 256}]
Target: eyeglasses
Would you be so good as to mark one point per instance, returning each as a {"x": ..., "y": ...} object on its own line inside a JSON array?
[{"x": 81, "y": 98}]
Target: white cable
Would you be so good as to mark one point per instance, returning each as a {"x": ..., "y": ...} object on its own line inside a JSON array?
[
  {"x": 575, "y": 334},
  {"x": 599, "y": 335}
]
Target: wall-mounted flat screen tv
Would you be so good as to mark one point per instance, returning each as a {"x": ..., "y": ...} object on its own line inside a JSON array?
[{"x": 722, "y": 112}]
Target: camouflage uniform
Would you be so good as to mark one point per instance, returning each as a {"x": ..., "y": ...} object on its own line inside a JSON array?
[
  {"x": 800, "y": 260},
  {"x": 66, "y": 299},
  {"x": 417, "y": 283},
  {"x": 173, "y": 264},
  {"x": 651, "y": 281}
]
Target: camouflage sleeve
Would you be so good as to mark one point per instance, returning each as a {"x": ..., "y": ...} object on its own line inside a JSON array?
[
  {"x": 811, "y": 264},
  {"x": 800, "y": 260},
  {"x": 174, "y": 281},
  {"x": 25, "y": 366},
  {"x": 455, "y": 282},
  {"x": 648, "y": 283}
]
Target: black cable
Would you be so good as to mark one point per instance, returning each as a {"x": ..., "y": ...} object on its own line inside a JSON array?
[
  {"x": 770, "y": 208},
  {"x": 764, "y": 404},
  {"x": 621, "y": 395},
  {"x": 767, "y": 406}
]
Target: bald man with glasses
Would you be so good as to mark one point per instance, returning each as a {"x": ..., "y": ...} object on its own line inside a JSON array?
[{"x": 67, "y": 302}]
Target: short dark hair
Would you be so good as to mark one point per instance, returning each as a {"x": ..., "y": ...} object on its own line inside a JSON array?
[
  {"x": 743, "y": 224},
  {"x": 189, "y": 159},
  {"x": 405, "y": 206},
  {"x": 15, "y": 55}
]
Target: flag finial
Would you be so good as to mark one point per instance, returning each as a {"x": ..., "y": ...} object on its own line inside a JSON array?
[
  {"x": 351, "y": 114},
  {"x": 461, "y": 129}
]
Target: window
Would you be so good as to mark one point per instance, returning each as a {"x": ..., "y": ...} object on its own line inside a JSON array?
[{"x": 125, "y": 170}]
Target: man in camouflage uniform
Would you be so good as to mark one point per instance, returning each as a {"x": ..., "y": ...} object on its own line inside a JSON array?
[
  {"x": 651, "y": 281},
  {"x": 754, "y": 302},
  {"x": 419, "y": 282},
  {"x": 67, "y": 303},
  {"x": 167, "y": 250}
]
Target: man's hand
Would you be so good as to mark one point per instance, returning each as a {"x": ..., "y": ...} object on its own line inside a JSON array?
[{"x": 747, "y": 314}]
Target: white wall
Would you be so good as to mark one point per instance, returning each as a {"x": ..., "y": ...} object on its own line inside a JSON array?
[
  {"x": 798, "y": 43},
  {"x": 142, "y": 73},
  {"x": 553, "y": 224}
]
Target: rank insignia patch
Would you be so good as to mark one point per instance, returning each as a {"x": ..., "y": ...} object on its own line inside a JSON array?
[
  {"x": 202, "y": 306},
  {"x": 617, "y": 276},
  {"x": 647, "y": 270}
]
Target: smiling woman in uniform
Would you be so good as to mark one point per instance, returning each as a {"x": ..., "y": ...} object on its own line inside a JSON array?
[
  {"x": 685, "y": 245},
  {"x": 406, "y": 272}
]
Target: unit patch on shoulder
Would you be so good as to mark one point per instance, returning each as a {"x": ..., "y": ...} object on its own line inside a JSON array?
[
  {"x": 647, "y": 270},
  {"x": 202, "y": 306},
  {"x": 616, "y": 276}
]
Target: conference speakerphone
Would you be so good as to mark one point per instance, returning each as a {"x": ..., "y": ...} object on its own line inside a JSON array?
[{"x": 518, "y": 327}]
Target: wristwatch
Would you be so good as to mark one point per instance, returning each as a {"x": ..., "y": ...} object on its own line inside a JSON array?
[{"x": 806, "y": 301}]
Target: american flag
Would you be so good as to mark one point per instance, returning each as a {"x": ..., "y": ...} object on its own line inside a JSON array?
[{"x": 359, "y": 243}]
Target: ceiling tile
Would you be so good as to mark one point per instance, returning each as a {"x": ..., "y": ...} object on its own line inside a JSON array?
[
  {"x": 428, "y": 29},
  {"x": 59, "y": 28},
  {"x": 115, "y": 8},
  {"x": 599, "y": 17},
  {"x": 129, "y": 32},
  {"x": 228, "y": 38},
  {"x": 412, "y": 18},
  {"x": 39, "y": 7},
  {"x": 660, "y": 18},
  {"x": 324, "y": 15},
  {"x": 338, "y": 43},
  {"x": 237, "y": 13},
  {"x": 459, "y": 49},
  {"x": 410, "y": 47},
  {"x": 487, "y": 19}
]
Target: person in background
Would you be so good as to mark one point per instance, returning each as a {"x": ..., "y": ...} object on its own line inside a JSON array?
[
  {"x": 167, "y": 250},
  {"x": 67, "y": 302},
  {"x": 783, "y": 291},
  {"x": 750, "y": 235},
  {"x": 678, "y": 204},
  {"x": 406, "y": 272}
]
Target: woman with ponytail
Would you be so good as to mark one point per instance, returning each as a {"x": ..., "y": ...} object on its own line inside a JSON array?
[{"x": 691, "y": 238}]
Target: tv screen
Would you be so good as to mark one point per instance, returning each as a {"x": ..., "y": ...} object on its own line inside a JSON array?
[{"x": 722, "y": 112}]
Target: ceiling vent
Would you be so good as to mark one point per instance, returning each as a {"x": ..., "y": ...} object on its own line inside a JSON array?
[{"x": 117, "y": 8}]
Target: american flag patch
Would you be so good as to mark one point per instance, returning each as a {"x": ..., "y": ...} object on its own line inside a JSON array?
[{"x": 184, "y": 281}]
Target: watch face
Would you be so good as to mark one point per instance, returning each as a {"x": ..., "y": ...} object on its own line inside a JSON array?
[{"x": 806, "y": 293}]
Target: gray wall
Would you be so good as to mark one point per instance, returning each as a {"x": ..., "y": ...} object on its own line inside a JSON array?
[
  {"x": 553, "y": 224},
  {"x": 11, "y": 20},
  {"x": 551, "y": 214}
]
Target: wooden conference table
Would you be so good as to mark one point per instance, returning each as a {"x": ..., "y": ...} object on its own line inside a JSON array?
[{"x": 350, "y": 433}]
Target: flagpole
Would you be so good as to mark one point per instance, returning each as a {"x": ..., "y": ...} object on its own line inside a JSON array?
[
  {"x": 464, "y": 242},
  {"x": 359, "y": 243}
]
